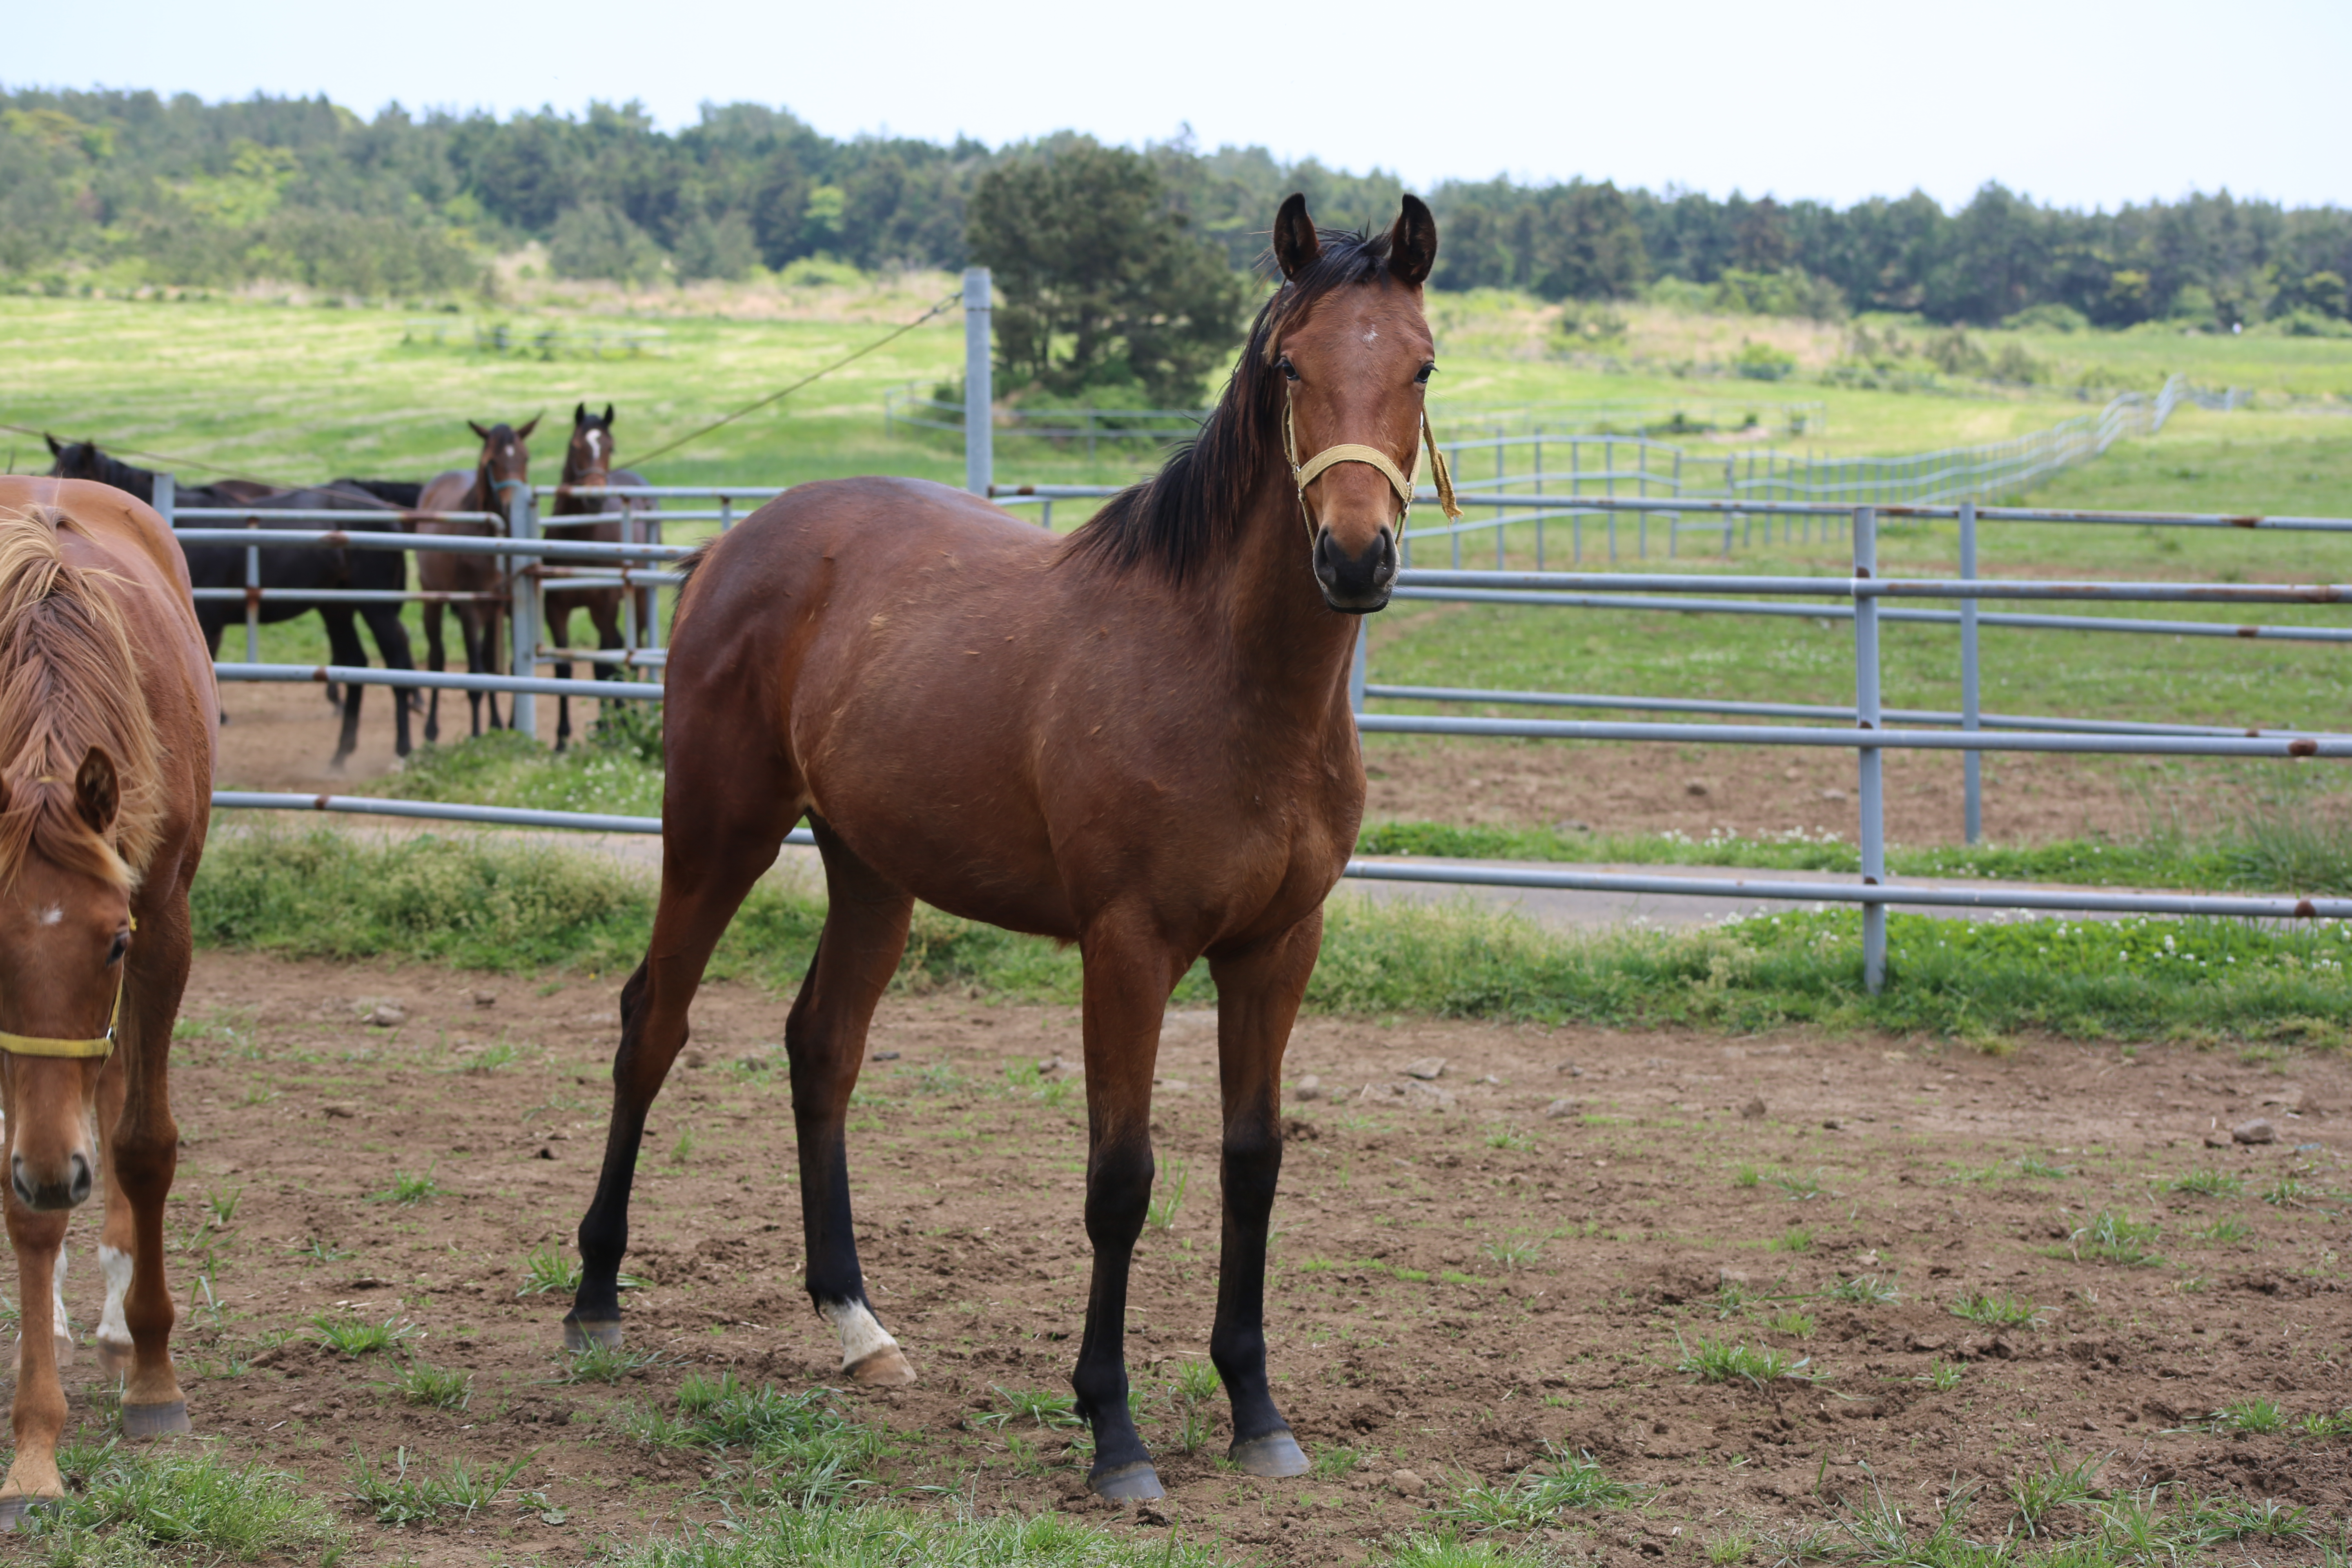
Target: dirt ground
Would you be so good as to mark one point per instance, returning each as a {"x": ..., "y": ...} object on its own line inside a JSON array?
[
  {"x": 281, "y": 738},
  {"x": 1463, "y": 1272}
]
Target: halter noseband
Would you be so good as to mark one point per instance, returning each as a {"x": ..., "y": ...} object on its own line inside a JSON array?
[
  {"x": 98, "y": 1049},
  {"x": 1307, "y": 473}
]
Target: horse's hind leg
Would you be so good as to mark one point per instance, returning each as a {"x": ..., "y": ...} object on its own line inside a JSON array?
[
  {"x": 559, "y": 631},
  {"x": 864, "y": 932},
  {"x": 1257, "y": 1001},
  {"x": 438, "y": 664},
  {"x": 392, "y": 644},
  {"x": 710, "y": 858},
  {"x": 1130, "y": 971},
  {"x": 344, "y": 647},
  {"x": 116, "y": 1240}
]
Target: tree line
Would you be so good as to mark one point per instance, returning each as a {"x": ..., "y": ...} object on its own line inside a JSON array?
[{"x": 135, "y": 186}]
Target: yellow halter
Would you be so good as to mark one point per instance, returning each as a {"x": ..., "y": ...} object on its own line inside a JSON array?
[
  {"x": 1307, "y": 473},
  {"x": 100, "y": 1048}
]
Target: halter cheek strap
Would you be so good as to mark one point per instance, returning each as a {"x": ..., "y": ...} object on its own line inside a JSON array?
[
  {"x": 98, "y": 1049},
  {"x": 1307, "y": 473}
]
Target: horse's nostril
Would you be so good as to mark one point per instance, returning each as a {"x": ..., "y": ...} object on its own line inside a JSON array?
[{"x": 81, "y": 1179}]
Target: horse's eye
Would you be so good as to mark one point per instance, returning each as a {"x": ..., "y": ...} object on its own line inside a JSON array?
[
  {"x": 121, "y": 945},
  {"x": 1289, "y": 371},
  {"x": 1422, "y": 379}
]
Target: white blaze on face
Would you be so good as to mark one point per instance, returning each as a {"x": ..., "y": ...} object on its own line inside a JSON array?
[
  {"x": 116, "y": 1265},
  {"x": 861, "y": 1335},
  {"x": 51, "y": 917}
]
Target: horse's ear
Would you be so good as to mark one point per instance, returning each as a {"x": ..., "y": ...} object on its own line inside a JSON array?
[
  {"x": 1412, "y": 244},
  {"x": 524, "y": 434},
  {"x": 608, "y": 417},
  {"x": 1296, "y": 243},
  {"x": 55, "y": 450},
  {"x": 579, "y": 414},
  {"x": 97, "y": 793},
  {"x": 478, "y": 430}
]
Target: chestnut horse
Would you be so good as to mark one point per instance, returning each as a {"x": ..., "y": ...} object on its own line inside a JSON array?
[
  {"x": 502, "y": 469},
  {"x": 587, "y": 464},
  {"x": 107, "y": 732},
  {"x": 1135, "y": 738}
]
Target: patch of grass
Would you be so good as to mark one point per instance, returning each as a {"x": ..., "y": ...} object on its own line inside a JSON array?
[
  {"x": 1730, "y": 1549},
  {"x": 1333, "y": 1460},
  {"x": 1746, "y": 1176},
  {"x": 1988, "y": 1310},
  {"x": 1039, "y": 1407},
  {"x": 1729, "y": 1361},
  {"x": 317, "y": 1251},
  {"x": 609, "y": 1363},
  {"x": 811, "y": 1450},
  {"x": 2036, "y": 1496},
  {"x": 1167, "y": 1196},
  {"x": 1509, "y": 1138},
  {"x": 397, "y": 1493},
  {"x": 1515, "y": 1253},
  {"x": 357, "y": 1337},
  {"x": 1800, "y": 1189},
  {"x": 890, "y": 1534},
  {"x": 2244, "y": 1519},
  {"x": 408, "y": 1189},
  {"x": 2290, "y": 1191},
  {"x": 1796, "y": 1239},
  {"x": 2112, "y": 1237},
  {"x": 545, "y": 1269},
  {"x": 1197, "y": 1380},
  {"x": 2250, "y": 1417},
  {"x": 1799, "y": 1325},
  {"x": 1865, "y": 1291},
  {"x": 441, "y": 1388},
  {"x": 2226, "y": 1230},
  {"x": 2207, "y": 1184},
  {"x": 1943, "y": 1376},
  {"x": 1535, "y": 1497},
  {"x": 487, "y": 904},
  {"x": 2040, "y": 1169},
  {"x": 185, "y": 1501}
]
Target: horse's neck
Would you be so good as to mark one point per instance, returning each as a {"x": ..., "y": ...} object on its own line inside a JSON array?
[{"x": 1283, "y": 640}]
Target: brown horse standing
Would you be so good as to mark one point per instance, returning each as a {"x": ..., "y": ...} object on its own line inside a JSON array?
[
  {"x": 1136, "y": 738},
  {"x": 502, "y": 469},
  {"x": 588, "y": 464},
  {"x": 107, "y": 730}
]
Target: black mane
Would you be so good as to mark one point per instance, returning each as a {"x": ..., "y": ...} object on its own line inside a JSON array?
[{"x": 1188, "y": 514}]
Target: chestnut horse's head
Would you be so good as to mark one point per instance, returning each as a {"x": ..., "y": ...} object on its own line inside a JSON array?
[
  {"x": 1354, "y": 354},
  {"x": 505, "y": 463},
  {"x": 588, "y": 460},
  {"x": 65, "y": 934}
]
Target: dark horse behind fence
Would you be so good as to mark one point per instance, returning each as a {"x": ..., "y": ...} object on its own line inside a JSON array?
[
  {"x": 502, "y": 469},
  {"x": 1135, "y": 738},
  {"x": 106, "y": 774},
  {"x": 588, "y": 464},
  {"x": 285, "y": 573}
]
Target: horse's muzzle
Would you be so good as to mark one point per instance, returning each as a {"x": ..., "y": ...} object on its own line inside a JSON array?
[
  {"x": 64, "y": 1189},
  {"x": 1356, "y": 585}
]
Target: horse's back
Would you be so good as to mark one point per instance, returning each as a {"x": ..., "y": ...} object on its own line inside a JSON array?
[{"x": 447, "y": 491}]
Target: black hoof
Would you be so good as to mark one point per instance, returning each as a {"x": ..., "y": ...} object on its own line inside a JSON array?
[
  {"x": 579, "y": 1336},
  {"x": 1273, "y": 1455},
  {"x": 13, "y": 1509},
  {"x": 156, "y": 1420},
  {"x": 1137, "y": 1482}
]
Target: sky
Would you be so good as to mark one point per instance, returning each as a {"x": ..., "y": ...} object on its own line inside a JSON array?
[{"x": 2080, "y": 104}]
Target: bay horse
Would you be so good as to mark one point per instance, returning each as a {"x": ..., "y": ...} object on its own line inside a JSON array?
[
  {"x": 587, "y": 464},
  {"x": 284, "y": 573},
  {"x": 1135, "y": 737},
  {"x": 107, "y": 738},
  {"x": 502, "y": 468}
]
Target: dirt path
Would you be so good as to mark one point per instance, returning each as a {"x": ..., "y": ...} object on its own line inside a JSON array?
[{"x": 1452, "y": 1288}]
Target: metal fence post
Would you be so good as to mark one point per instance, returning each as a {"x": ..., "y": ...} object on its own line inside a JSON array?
[
  {"x": 1971, "y": 762},
  {"x": 1870, "y": 790},
  {"x": 253, "y": 597},
  {"x": 979, "y": 399},
  {"x": 522, "y": 612},
  {"x": 166, "y": 493},
  {"x": 1359, "y": 667}
]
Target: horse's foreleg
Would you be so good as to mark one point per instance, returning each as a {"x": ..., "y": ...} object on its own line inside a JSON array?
[
  {"x": 470, "y": 623},
  {"x": 864, "y": 932},
  {"x": 143, "y": 1153},
  {"x": 709, "y": 860},
  {"x": 117, "y": 1240},
  {"x": 434, "y": 662},
  {"x": 38, "y": 1418},
  {"x": 392, "y": 646},
  {"x": 1258, "y": 993},
  {"x": 344, "y": 647},
  {"x": 1129, "y": 972},
  {"x": 559, "y": 630}
]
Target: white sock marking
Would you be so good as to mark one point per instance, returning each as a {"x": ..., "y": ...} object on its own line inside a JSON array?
[
  {"x": 116, "y": 1265},
  {"x": 60, "y": 1325},
  {"x": 861, "y": 1336}
]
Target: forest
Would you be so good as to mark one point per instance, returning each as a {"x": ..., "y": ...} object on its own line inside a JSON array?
[{"x": 122, "y": 188}]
